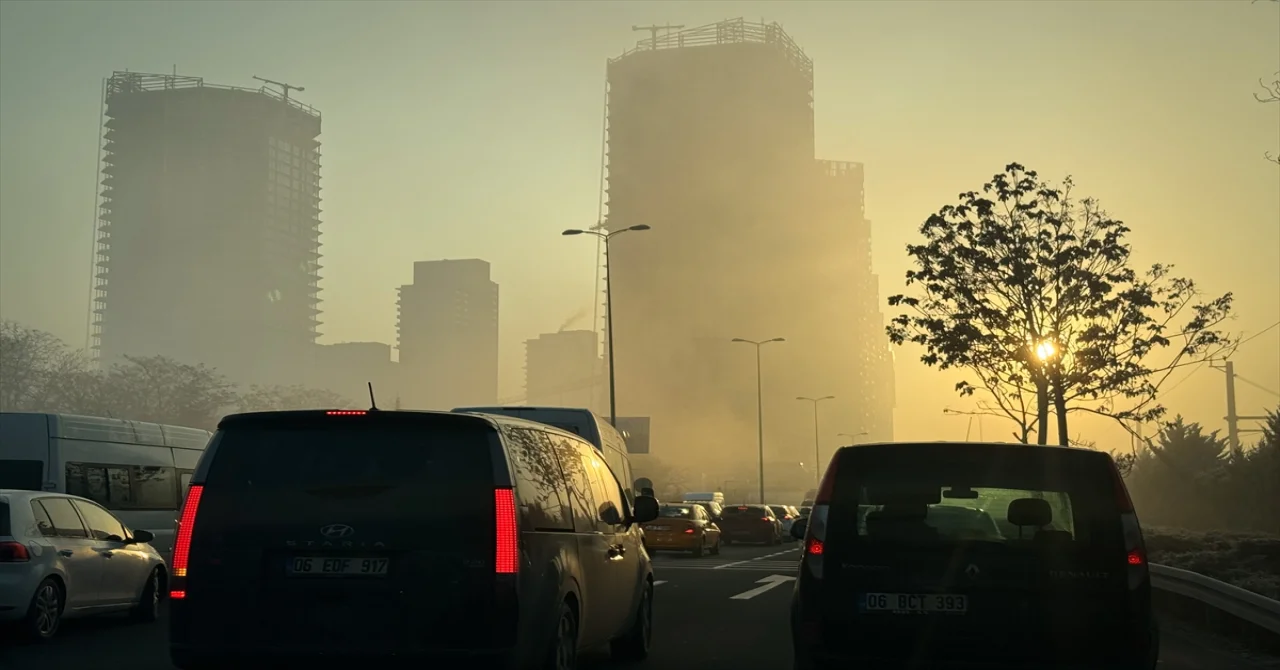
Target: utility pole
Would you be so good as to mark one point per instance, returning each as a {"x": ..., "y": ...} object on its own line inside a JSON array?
[
  {"x": 1233, "y": 419},
  {"x": 653, "y": 32},
  {"x": 285, "y": 88}
]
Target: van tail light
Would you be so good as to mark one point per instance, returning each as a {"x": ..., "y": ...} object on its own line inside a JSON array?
[
  {"x": 14, "y": 552},
  {"x": 507, "y": 557},
  {"x": 813, "y": 547},
  {"x": 815, "y": 540},
  {"x": 1136, "y": 558},
  {"x": 688, "y": 531},
  {"x": 182, "y": 543}
]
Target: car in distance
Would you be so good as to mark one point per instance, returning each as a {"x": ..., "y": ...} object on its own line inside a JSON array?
[
  {"x": 916, "y": 555},
  {"x": 63, "y": 557},
  {"x": 389, "y": 537},
  {"x": 683, "y": 527}
]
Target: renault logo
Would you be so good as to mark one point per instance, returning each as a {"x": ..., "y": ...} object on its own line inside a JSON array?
[
  {"x": 972, "y": 571},
  {"x": 337, "y": 531}
]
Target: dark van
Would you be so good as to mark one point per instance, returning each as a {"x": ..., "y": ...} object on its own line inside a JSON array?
[
  {"x": 453, "y": 540},
  {"x": 973, "y": 555}
]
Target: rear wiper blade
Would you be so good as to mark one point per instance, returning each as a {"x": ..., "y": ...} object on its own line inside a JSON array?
[{"x": 349, "y": 490}]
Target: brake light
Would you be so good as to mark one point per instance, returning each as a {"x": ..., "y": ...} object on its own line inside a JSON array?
[
  {"x": 346, "y": 412},
  {"x": 813, "y": 547},
  {"x": 1136, "y": 557},
  {"x": 14, "y": 552},
  {"x": 786, "y": 518},
  {"x": 182, "y": 542},
  {"x": 765, "y": 518},
  {"x": 688, "y": 531},
  {"x": 507, "y": 559}
]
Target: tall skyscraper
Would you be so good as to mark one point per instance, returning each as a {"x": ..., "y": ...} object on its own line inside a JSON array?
[
  {"x": 711, "y": 141},
  {"x": 562, "y": 369},
  {"x": 449, "y": 335},
  {"x": 208, "y": 233}
]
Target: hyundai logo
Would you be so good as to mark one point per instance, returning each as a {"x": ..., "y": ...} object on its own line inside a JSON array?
[{"x": 337, "y": 531}]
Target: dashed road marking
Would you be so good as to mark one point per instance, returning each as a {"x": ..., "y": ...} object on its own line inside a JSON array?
[{"x": 758, "y": 558}]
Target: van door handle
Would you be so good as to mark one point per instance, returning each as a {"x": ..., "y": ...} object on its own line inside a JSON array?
[
  {"x": 66, "y": 552},
  {"x": 108, "y": 554},
  {"x": 617, "y": 551}
]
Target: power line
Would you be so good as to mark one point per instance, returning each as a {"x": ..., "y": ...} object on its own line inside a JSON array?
[{"x": 1260, "y": 332}]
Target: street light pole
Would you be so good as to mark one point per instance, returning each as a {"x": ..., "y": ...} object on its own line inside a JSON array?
[
  {"x": 759, "y": 402},
  {"x": 608, "y": 306},
  {"x": 817, "y": 448}
]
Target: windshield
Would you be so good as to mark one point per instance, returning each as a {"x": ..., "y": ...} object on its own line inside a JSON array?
[{"x": 676, "y": 512}]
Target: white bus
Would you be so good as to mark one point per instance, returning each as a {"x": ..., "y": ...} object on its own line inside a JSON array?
[
  {"x": 140, "y": 471},
  {"x": 583, "y": 423}
]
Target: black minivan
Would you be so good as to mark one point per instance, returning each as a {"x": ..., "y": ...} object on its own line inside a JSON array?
[
  {"x": 973, "y": 555},
  {"x": 394, "y": 537}
]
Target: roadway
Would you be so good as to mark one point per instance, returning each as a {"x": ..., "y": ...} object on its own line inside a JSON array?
[{"x": 712, "y": 613}]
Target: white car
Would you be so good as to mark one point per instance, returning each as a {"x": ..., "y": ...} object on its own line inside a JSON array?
[{"x": 63, "y": 556}]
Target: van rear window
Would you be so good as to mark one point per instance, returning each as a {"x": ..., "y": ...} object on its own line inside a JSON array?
[
  {"x": 946, "y": 494},
  {"x": 438, "y": 459},
  {"x": 21, "y": 474}
]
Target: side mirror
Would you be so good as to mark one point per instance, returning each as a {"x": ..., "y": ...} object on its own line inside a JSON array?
[
  {"x": 799, "y": 526},
  {"x": 143, "y": 536},
  {"x": 646, "y": 509}
]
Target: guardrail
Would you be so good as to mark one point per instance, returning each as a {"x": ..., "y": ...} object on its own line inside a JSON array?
[{"x": 1244, "y": 605}]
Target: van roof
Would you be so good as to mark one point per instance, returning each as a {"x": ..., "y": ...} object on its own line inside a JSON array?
[
  {"x": 266, "y": 418},
  {"x": 977, "y": 445}
]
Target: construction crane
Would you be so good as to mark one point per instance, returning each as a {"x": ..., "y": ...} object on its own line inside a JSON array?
[
  {"x": 653, "y": 31},
  {"x": 283, "y": 86}
]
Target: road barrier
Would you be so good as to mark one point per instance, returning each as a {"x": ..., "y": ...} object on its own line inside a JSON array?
[{"x": 1214, "y": 598}]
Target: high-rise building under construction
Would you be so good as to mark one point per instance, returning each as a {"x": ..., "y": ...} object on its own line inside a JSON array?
[
  {"x": 710, "y": 140},
  {"x": 208, "y": 230}
]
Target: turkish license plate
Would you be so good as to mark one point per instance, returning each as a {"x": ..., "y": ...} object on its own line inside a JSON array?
[
  {"x": 338, "y": 565},
  {"x": 915, "y": 603},
  {"x": 656, "y": 528}
]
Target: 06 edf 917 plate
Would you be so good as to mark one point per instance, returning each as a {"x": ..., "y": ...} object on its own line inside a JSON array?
[{"x": 355, "y": 566}]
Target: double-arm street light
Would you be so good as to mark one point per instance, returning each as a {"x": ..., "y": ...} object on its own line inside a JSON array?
[
  {"x": 608, "y": 304},
  {"x": 853, "y": 437},
  {"x": 817, "y": 449},
  {"x": 760, "y": 403}
]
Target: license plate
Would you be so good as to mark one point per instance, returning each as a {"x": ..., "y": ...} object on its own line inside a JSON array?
[
  {"x": 657, "y": 528},
  {"x": 330, "y": 565},
  {"x": 915, "y": 603}
]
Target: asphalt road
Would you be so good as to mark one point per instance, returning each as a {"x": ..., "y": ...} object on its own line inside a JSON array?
[{"x": 711, "y": 613}]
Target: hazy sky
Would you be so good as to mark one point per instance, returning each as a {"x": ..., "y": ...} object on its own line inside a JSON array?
[{"x": 456, "y": 130}]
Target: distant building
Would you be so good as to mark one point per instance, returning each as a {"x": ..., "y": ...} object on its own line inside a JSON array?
[
  {"x": 347, "y": 368},
  {"x": 208, "y": 233},
  {"x": 562, "y": 369},
  {"x": 448, "y": 335},
  {"x": 711, "y": 140}
]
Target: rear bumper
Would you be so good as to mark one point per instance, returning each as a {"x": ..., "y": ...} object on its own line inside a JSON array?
[
  {"x": 657, "y": 541},
  {"x": 749, "y": 534},
  {"x": 188, "y": 657}
]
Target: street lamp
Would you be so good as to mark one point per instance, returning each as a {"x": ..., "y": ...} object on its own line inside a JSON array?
[
  {"x": 817, "y": 455},
  {"x": 759, "y": 402},
  {"x": 608, "y": 305},
  {"x": 853, "y": 437}
]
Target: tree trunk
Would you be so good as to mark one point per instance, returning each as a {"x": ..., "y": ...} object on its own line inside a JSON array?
[
  {"x": 1060, "y": 410},
  {"x": 1042, "y": 411}
]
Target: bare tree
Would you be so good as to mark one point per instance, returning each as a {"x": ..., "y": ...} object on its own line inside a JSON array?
[{"x": 1270, "y": 93}]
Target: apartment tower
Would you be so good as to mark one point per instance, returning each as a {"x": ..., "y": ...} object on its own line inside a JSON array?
[
  {"x": 448, "y": 335},
  {"x": 208, "y": 230},
  {"x": 710, "y": 140}
]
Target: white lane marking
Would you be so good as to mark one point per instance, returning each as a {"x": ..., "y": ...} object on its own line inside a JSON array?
[
  {"x": 770, "y": 582},
  {"x": 757, "y": 558},
  {"x": 660, "y": 582}
]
